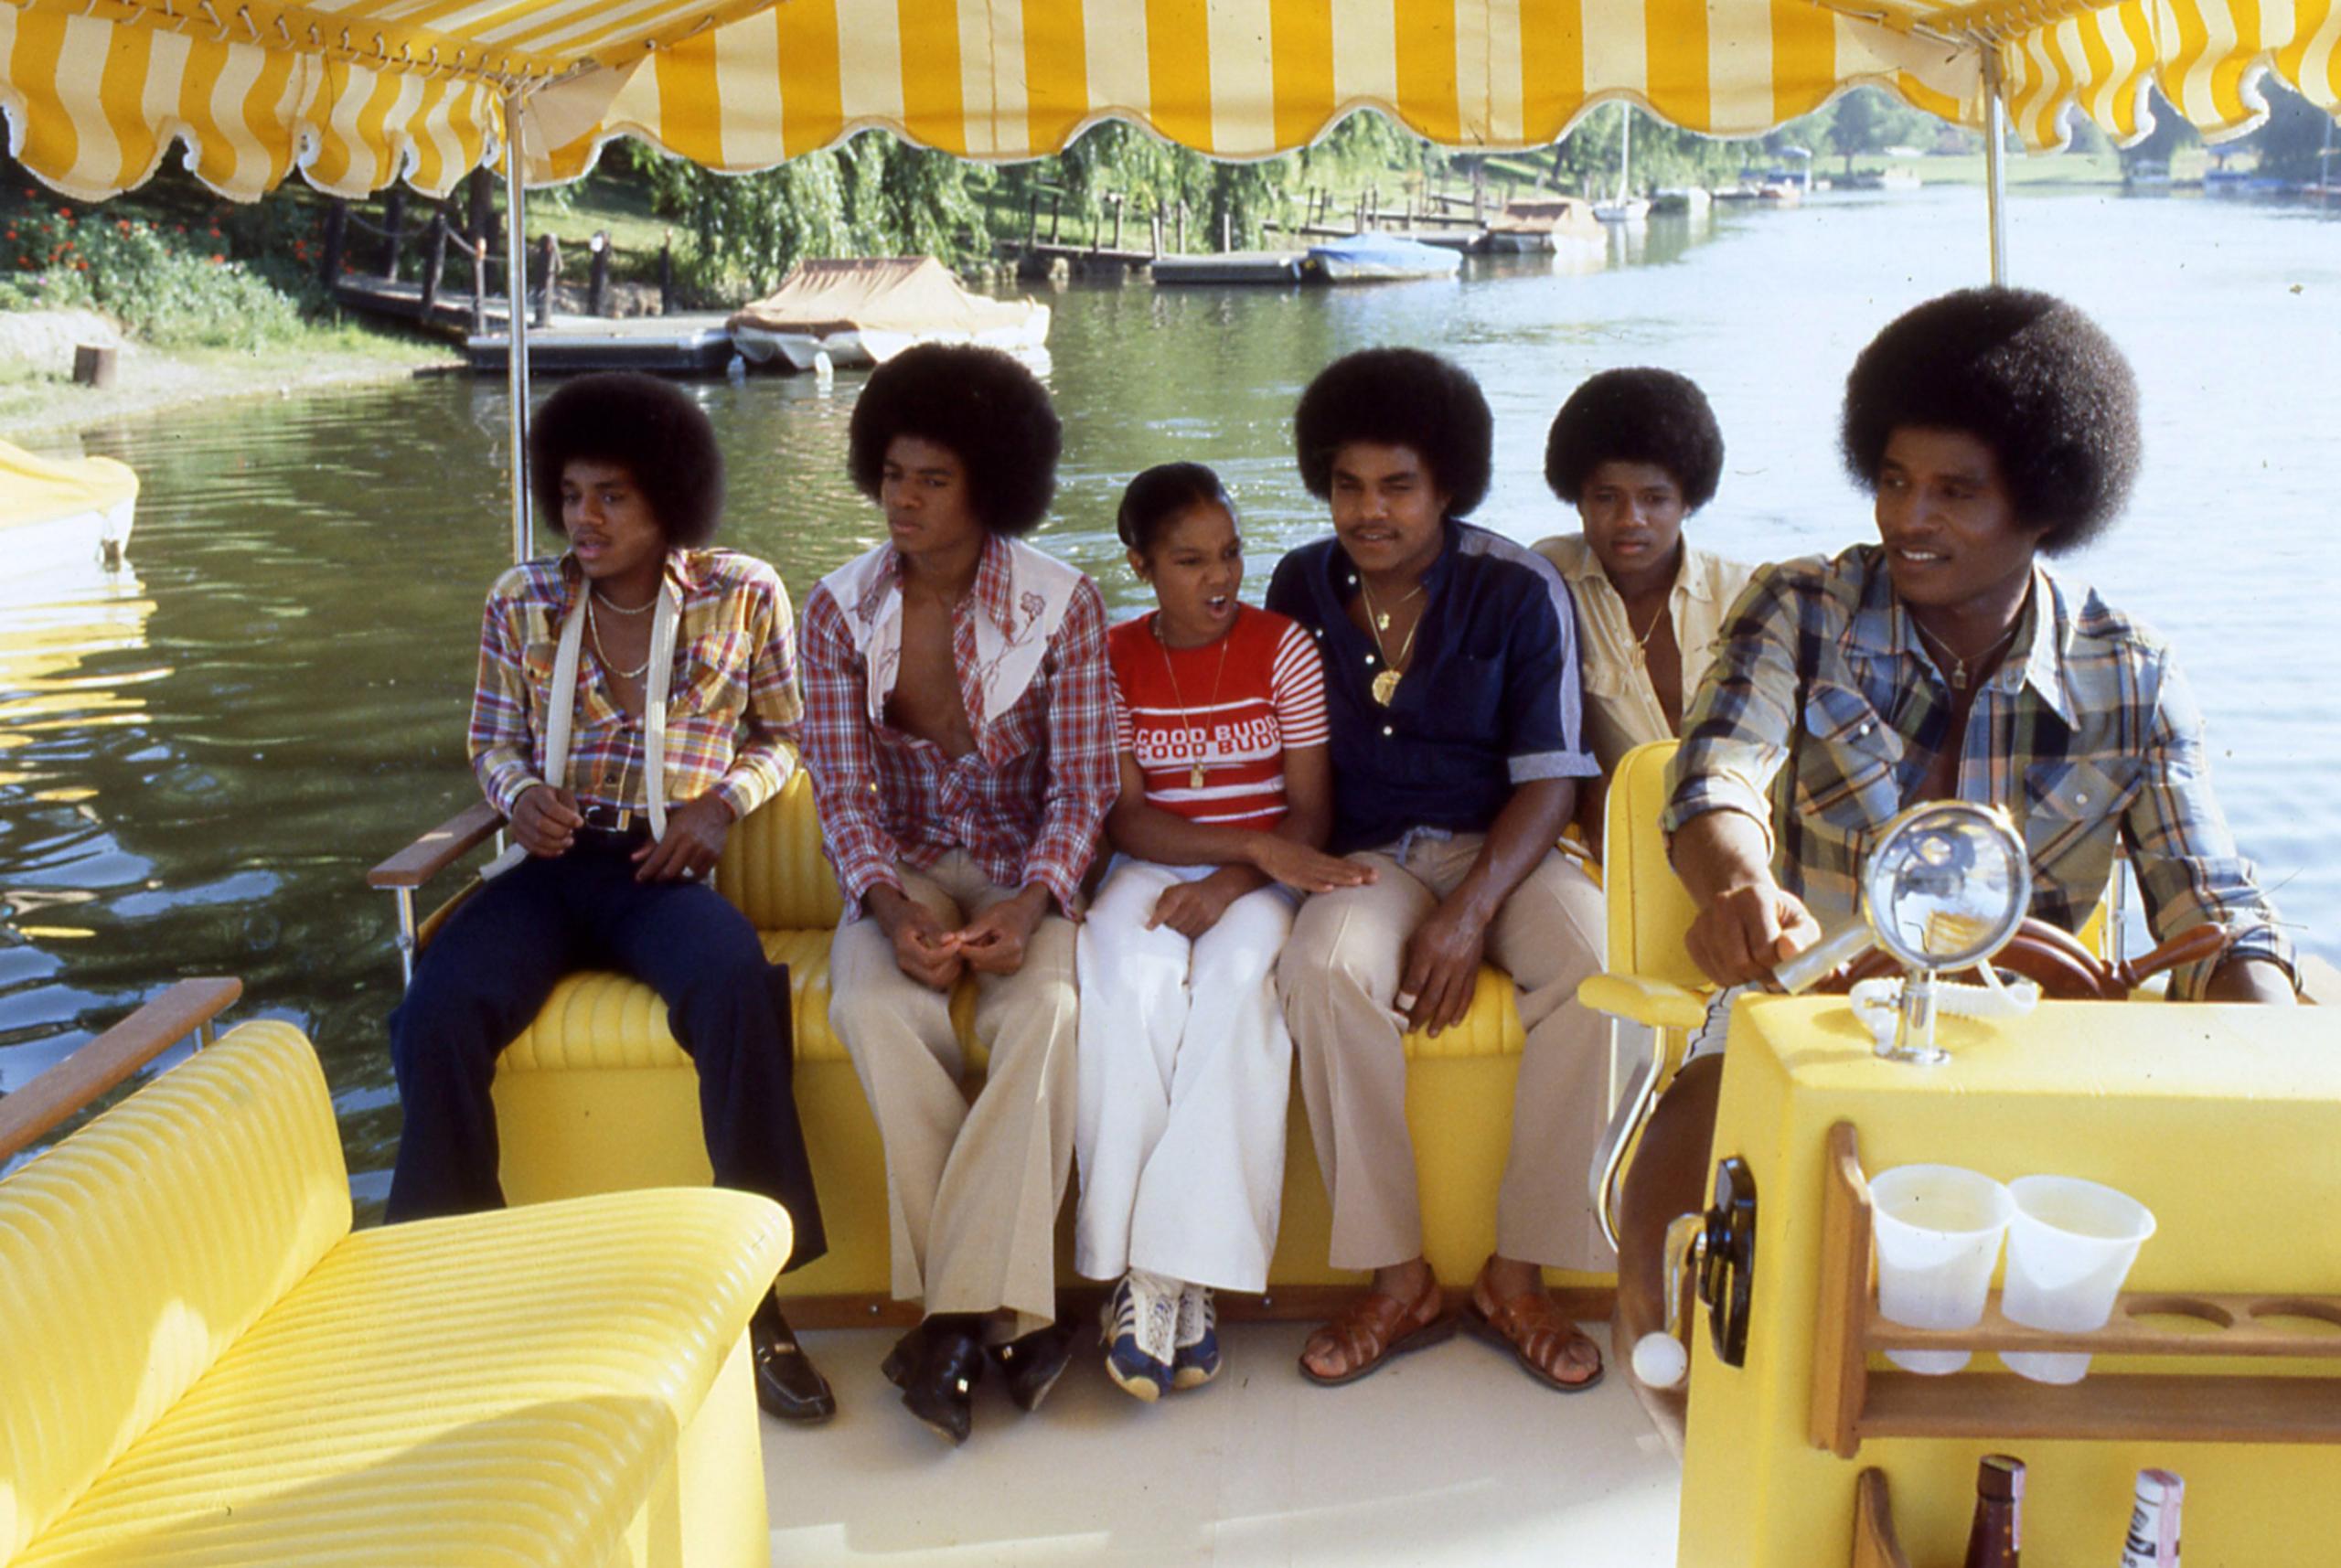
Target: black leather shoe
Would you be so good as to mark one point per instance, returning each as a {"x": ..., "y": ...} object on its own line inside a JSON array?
[
  {"x": 1034, "y": 1362},
  {"x": 903, "y": 1358},
  {"x": 940, "y": 1390},
  {"x": 788, "y": 1385}
]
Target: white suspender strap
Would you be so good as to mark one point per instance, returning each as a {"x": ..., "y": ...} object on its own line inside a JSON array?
[
  {"x": 561, "y": 710},
  {"x": 654, "y": 709}
]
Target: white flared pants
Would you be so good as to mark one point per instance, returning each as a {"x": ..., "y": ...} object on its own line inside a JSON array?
[{"x": 1185, "y": 1065}]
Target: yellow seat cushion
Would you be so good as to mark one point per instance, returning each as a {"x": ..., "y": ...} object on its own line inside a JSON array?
[
  {"x": 597, "y": 1020},
  {"x": 499, "y": 1389}
]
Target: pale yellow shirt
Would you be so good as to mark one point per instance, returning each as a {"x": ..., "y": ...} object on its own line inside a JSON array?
[{"x": 1621, "y": 708}]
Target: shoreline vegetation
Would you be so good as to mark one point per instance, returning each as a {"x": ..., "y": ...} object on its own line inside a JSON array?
[{"x": 203, "y": 299}]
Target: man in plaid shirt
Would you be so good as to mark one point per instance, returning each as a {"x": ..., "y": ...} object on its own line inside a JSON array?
[
  {"x": 629, "y": 468},
  {"x": 1994, "y": 427},
  {"x": 959, "y": 732}
]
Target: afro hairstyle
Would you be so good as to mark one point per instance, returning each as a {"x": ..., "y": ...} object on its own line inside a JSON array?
[
  {"x": 1162, "y": 493},
  {"x": 988, "y": 410},
  {"x": 1398, "y": 396},
  {"x": 2028, "y": 376},
  {"x": 1636, "y": 416},
  {"x": 646, "y": 426}
]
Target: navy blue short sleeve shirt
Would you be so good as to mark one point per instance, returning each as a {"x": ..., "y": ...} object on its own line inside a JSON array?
[{"x": 1489, "y": 702}]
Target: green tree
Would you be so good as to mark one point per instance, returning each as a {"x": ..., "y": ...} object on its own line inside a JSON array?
[{"x": 2292, "y": 144}]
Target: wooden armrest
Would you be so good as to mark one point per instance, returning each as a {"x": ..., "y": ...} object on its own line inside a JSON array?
[
  {"x": 48, "y": 1100},
  {"x": 437, "y": 849},
  {"x": 1655, "y": 1003}
]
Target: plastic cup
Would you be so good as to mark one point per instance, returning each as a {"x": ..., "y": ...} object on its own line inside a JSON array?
[
  {"x": 1938, "y": 1229},
  {"x": 2070, "y": 1247}
]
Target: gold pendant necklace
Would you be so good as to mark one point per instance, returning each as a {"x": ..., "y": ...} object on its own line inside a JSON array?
[
  {"x": 1385, "y": 686},
  {"x": 595, "y": 627},
  {"x": 1194, "y": 739}
]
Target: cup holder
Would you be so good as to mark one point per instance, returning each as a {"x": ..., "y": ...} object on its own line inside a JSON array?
[{"x": 2189, "y": 1310}]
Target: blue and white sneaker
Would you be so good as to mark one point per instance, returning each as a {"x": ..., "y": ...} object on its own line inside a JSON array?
[
  {"x": 1141, "y": 1322},
  {"x": 1194, "y": 1360}
]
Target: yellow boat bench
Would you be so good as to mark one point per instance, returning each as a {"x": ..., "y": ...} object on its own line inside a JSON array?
[
  {"x": 596, "y": 1096},
  {"x": 205, "y": 1366}
]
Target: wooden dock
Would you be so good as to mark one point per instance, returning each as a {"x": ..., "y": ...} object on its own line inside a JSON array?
[
  {"x": 1270, "y": 267},
  {"x": 696, "y": 344}
]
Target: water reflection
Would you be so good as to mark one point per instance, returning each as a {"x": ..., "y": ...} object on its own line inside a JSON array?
[{"x": 198, "y": 762}]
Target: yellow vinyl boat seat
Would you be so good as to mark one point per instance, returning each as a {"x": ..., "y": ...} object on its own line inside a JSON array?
[
  {"x": 207, "y": 1366},
  {"x": 596, "y": 1096}
]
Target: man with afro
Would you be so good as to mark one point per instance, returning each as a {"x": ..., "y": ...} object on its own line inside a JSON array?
[
  {"x": 959, "y": 731},
  {"x": 1458, "y": 747},
  {"x": 1635, "y": 453},
  {"x": 627, "y": 468},
  {"x": 1994, "y": 427}
]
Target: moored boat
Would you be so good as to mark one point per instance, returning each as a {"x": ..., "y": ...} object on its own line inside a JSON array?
[
  {"x": 1377, "y": 259},
  {"x": 64, "y": 512},
  {"x": 865, "y": 310},
  {"x": 1536, "y": 223}
]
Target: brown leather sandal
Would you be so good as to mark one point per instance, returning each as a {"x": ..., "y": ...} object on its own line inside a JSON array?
[
  {"x": 1374, "y": 1328},
  {"x": 1533, "y": 1328}
]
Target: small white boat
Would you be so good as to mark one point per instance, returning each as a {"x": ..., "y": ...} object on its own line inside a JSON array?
[
  {"x": 861, "y": 311},
  {"x": 1624, "y": 206},
  {"x": 64, "y": 512}
]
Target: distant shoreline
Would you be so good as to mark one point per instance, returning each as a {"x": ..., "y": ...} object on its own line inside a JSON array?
[{"x": 37, "y": 394}]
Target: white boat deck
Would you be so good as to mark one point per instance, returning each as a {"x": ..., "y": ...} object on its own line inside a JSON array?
[{"x": 1448, "y": 1456}]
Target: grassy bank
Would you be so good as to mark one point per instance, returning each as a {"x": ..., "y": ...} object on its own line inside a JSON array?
[{"x": 37, "y": 391}]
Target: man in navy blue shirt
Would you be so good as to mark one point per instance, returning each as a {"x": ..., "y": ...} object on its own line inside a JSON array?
[{"x": 1457, "y": 740}]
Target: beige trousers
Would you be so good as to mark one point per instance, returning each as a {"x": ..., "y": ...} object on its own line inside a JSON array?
[
  {"x": 972, "y": 1191},
  {"x": 1338, "y": 975}
]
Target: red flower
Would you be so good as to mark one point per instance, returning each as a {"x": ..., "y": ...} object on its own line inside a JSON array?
[
  {"x": 124, "y": 225},
  {"x": 82, "y": 266},
  {"x": 217, "y": 259}
]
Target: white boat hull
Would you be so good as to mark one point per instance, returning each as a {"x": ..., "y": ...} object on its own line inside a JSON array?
[
  {"x": 859, "y": 347},
  {"x": 100, "y": 534}
]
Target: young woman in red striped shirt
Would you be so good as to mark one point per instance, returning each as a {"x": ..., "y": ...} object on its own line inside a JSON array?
[{"x": 1184, "y": 1060}]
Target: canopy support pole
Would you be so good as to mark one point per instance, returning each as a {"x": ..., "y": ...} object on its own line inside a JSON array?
[
  {"x": 515, "y": 324},
  {"x": 1995, "y": 173}
]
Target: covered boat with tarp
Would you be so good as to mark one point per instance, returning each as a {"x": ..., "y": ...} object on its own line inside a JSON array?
[
  {"x": 866, "y": 310},
  {"x": 1377, "y": 259},
  {"x": 63, "y": 512}
]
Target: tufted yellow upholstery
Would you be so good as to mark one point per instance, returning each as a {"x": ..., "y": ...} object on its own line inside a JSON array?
[
  {"x": 223, "y": 1375},
  {"x": 596, "y": 1096}
]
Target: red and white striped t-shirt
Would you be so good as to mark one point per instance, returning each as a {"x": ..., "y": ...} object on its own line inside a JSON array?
[{"x": 1271, "y": 696}]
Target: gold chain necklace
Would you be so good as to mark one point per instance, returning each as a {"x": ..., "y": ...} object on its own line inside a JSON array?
[
  {"x": 1641, "y": 643},
  {"x": 1386, "y": 685},
  {"x": 594, "y": 629},
  {"x": 1382, "y": 618},
  {"x": 1958, "y": 673},
  {"x": 615, "y": 608},
  {"x": 1195, "y": 737}
]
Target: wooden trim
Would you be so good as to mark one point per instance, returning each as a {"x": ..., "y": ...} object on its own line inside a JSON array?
[
  {"x": 1875, "y": 1543},
  {"x": 73, "y": 1084},
  {"x": 1839, "y": 1368},
  {"x": 2225, "y": 1324},
  {"x": 2122, "y": 1407},
  {"x": 1081, "y": 1303},
  {"x": 437, "y": 849}
]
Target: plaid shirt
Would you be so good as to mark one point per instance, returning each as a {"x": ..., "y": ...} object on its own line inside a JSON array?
[
  {"x": 1027, "y": 804},
  {"x": 2085, "y": 732},
  {"x": 732, "y": 699}
]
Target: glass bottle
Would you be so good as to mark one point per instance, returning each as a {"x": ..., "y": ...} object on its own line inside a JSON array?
[
  {"x": 2153, "y": 1540},
  {"x": 1996, "y": 1538}
]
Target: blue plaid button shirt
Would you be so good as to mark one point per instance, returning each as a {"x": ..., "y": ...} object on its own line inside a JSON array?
[{"x": 2085, "y": 734}]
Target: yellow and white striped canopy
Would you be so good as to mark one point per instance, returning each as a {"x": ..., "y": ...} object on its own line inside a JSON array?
[{"x": 358, "y": 93}]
